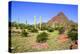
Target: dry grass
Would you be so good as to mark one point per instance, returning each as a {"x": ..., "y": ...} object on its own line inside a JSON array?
[{"x": 24, "y": 44}]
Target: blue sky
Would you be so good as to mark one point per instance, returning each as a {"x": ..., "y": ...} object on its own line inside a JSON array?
[{"x": 27, "y": 10}]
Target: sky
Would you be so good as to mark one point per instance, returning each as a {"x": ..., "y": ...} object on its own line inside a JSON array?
[{"x": 22, "y": 11}]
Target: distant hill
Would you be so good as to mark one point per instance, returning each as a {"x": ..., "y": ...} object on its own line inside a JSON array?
[{"x": 60, "y": 19}]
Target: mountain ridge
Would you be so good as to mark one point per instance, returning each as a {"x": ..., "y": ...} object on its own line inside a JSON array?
[{"x": 60, "y": 18}]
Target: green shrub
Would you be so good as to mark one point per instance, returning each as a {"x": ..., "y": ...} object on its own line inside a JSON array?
[
  {"x": 73, "y": 34},
  {"x": 56, "y": 28},
  {"x": 16, "y": 25},
  {"x": 50, "y": 29},
  {"x": 24, "y": 33},
  {"x": 61, "y": 30},
  {"x": 34, "y": 30},
  {"x": 42, "y": 37},
  {"x": 23, "y": 26},
  {"x": 44, "y": 26},
  {"x": 29, "y": 27}
]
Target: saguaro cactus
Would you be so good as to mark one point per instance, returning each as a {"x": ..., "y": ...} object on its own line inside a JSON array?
[
  {"x": 40, "y": 21},
  {"x": 35, "y": 22}
]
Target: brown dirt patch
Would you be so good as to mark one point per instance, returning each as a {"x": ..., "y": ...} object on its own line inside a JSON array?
[
  {"x": 63, "y": 38},
  {"x": 40, "y": 45}
]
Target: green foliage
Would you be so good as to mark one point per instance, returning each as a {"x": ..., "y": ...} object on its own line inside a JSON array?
[
  {"x": 34, "y": 30},
  {"x": 50, "y": 29},
  {"x": 57, "y": 27},
  {"x": 15, "y": 24},
  {"x": 29, "y": 27},
  {"x": 42, "y": 37},
  {"x": 73, "y": 33},
  {"x": 43, "y": 26},
  {"x": 61, "y": 30},
  {"x": 24, "y": 33},
  {"x": 22, "y": 26}
]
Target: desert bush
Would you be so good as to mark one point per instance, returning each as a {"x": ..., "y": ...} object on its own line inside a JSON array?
[
  {"x": 42, "y": 37},
  {"x": 61, "y": 30},
  {"x": 14, "y": 24},
  {"x": 24, "y": 33},
  {"x": 34, "y": 30},
  {"x": 29, "y": 27},
  {"x": 73, "y": 34},
  {"x": 50, "y": 29},
  {"x": 44, "y": 26},
  {"x": 17, "y": 26},
  {"x": 23, "y": 26},
  {"x": 56, "y": 28}
]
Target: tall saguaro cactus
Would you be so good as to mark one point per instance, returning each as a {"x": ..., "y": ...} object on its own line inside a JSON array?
[
  {"x": 40, "y": 21},
  {"x": 35, "y": 22}
]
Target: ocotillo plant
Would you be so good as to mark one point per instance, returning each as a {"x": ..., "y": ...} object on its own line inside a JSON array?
[
  {"x": 40, "y": 21},
  {"x": 35, "y": 22}
]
